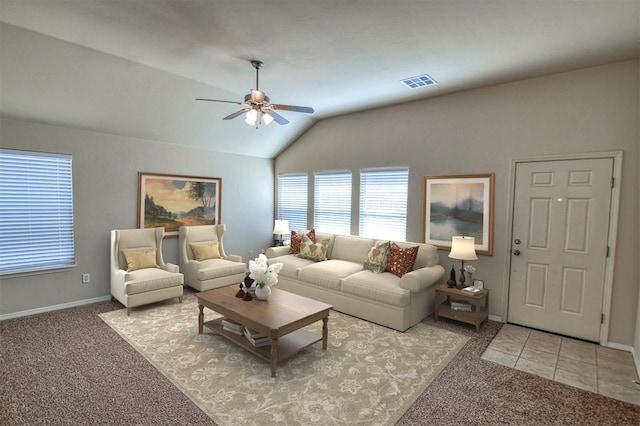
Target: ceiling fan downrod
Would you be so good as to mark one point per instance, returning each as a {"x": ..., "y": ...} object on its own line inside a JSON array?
[{"x": 257, "y": 65}]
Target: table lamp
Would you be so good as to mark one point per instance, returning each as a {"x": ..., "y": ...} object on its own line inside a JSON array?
[
  {"x": 280, "y": 227},
  {"x": 463, "y": 248}
]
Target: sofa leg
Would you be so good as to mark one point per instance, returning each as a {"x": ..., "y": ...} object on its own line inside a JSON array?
[
  {"x": 179, "y": 299},
  {"x": 128, "y": 311}
]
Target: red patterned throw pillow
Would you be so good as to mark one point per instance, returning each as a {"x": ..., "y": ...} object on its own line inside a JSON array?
[
  {"x": 401, "y": 260},
  {"x": 296, "y": 240}
]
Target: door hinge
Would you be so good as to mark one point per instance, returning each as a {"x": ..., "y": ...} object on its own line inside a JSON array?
[
  {"x": 613, "y": 181},
  {"x": 602, "y": 318},
  {"x": 608, "y": 249}
]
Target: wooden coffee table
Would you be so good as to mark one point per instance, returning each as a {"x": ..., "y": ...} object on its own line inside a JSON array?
[{"x": 281, "y": 317}]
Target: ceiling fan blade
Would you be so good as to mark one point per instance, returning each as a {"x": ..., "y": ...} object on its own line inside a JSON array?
[
  {"x": 218, "y": 100},
  {"x": 307, "y": 110},
  {"x": 277, "y": 117},
  {"x": 235, "y": 114}
]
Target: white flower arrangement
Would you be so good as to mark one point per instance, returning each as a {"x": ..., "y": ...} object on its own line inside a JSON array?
[
  {"x": 263, "y": 273},
  {"x": 470, "y": 268}
]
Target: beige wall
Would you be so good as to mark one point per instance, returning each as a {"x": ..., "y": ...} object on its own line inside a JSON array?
[
  {"x": 105, "y": 194},
  {"x": 480, "y": 131}
]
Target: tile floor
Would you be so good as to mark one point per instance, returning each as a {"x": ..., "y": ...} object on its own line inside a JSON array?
[{"x": 585, "y": 365}]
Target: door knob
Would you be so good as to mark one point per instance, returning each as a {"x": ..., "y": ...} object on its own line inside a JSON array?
[{"x": 516, "y": 252}]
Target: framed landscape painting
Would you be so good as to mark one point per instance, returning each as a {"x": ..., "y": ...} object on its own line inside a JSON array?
[
  {"x": 171, "y": 201},
  {"x": 459, "y": 205}
]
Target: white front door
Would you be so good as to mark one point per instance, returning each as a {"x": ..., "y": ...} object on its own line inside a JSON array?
[{"x": 559, "y": 245}]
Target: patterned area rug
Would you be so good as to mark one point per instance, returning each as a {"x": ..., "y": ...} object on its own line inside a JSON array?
[{"x": 369, "y": 375}]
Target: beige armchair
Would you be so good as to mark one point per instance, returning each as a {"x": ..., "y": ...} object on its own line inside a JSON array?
[
  {"x": 203, "y": 260},
  {"x": 138, "y": 273}
]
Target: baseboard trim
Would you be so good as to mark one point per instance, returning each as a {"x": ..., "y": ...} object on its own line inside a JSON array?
[{"x": 44, "y": 309}]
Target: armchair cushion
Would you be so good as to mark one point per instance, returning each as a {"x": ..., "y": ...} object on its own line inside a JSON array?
[
  {"x": 204, "y": 251},
  {"x": 140, "y": 258},
  {"x": 218, "y": 268},
  {"x": 144, "y": 280}
]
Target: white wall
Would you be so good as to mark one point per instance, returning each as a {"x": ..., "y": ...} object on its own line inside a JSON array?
[
  {"x": 105, "y": 180},
  {"x": 480, "y": 131}
]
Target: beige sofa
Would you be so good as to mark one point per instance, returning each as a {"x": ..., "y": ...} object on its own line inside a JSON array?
[{"x": 343, "y": 282}]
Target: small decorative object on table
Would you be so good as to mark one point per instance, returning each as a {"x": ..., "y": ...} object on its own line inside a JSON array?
[
  {"x": 470, "y": 270},
  {"x": 264, "y": 275},
  {"x": 240, "y": 292},
  {"x": 452, "y": 278}
]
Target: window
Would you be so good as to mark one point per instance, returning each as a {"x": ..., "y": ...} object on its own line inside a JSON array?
[
  {"x": 36, "y": 212},
  {"x": 332, "y": 202},
  {"x": 383, "y": 203},
  {"x": 292, "y": 199}
]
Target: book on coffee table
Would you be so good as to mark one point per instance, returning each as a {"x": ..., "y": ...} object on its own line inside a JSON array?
[
  {"x": 232, "y": 326},
  {"x": 256, "y": 339}
]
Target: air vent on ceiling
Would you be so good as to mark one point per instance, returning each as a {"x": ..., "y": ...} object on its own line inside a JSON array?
[{"x": 418, "y": 81}]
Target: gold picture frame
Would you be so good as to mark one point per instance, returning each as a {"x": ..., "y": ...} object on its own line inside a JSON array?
[
  {"x": 458, "y": 205},
  {"x": 171, "y": 201}
]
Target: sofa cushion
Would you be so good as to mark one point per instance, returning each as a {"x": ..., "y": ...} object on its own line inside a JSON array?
[
  {"x": 140, "y": 258},
  {"x": 329, "y": 273},
  {"x": 296, "y": 239},
  {"x": 376, "y": 260},
  {"x": 144, "y": 280},
  {"x": 216, "y": 268},
  {"x": 383, "y": 288},
  {"x": 316, "y": 251},
  {"x": 290, "y": 264},
  {"x": 400, "y": 259},
  {"x": 352, "y": 248},
  {"x": 204, "y": 251}
]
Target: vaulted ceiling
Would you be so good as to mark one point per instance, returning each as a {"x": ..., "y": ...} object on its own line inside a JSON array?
[{"x": 135, "y": 67}]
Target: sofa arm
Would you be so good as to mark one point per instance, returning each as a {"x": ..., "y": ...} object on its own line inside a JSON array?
[
  {"x": 233, "y": 258},
  {"x": 277, "y": 251},
  {"x": 422, "y": 278},
  {"x": 170, "y": 267}
]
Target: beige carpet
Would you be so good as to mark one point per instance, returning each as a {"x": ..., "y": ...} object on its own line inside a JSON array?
[{"x": 368, "y": 375}]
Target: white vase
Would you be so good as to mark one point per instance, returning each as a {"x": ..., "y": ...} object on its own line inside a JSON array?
[{"x": 263, "y": 293}]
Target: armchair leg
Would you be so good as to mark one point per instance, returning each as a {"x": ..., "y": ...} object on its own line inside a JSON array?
[
  {"x": 128, "y": 311},
  {"x": 179, "y": 299}
]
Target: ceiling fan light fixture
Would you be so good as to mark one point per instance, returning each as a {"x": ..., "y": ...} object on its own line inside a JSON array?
[
  {"x": 251, "y": 117},
  {"x": 267, "y": 118}
]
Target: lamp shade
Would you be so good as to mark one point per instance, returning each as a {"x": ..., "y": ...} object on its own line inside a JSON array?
[
  {"x": 463, "y": 248},
  {"x": 281, "y": 227},
  {"x": 267, "y": 118},
  {"x": 251, "y": 117}
]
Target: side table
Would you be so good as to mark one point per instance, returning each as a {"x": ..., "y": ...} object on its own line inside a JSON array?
[{"x": 479, "y": 305}]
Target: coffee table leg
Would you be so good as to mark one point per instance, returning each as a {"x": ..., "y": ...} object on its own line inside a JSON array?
[
  {"x": 274, "y": 356},
  {"x": 200, "y": 318},
  {"x": 325, "y": 332}
]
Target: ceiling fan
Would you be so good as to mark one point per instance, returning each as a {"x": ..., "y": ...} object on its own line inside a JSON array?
[{"x": 257, "y": 106}]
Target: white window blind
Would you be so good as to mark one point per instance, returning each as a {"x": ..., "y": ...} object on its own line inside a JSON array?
[
  {"x": 383, "y": 203},
  {"x": 332, "y": 202},
  {"x": 292, "y": 199},
  {"x": 36, "y": 212}
]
